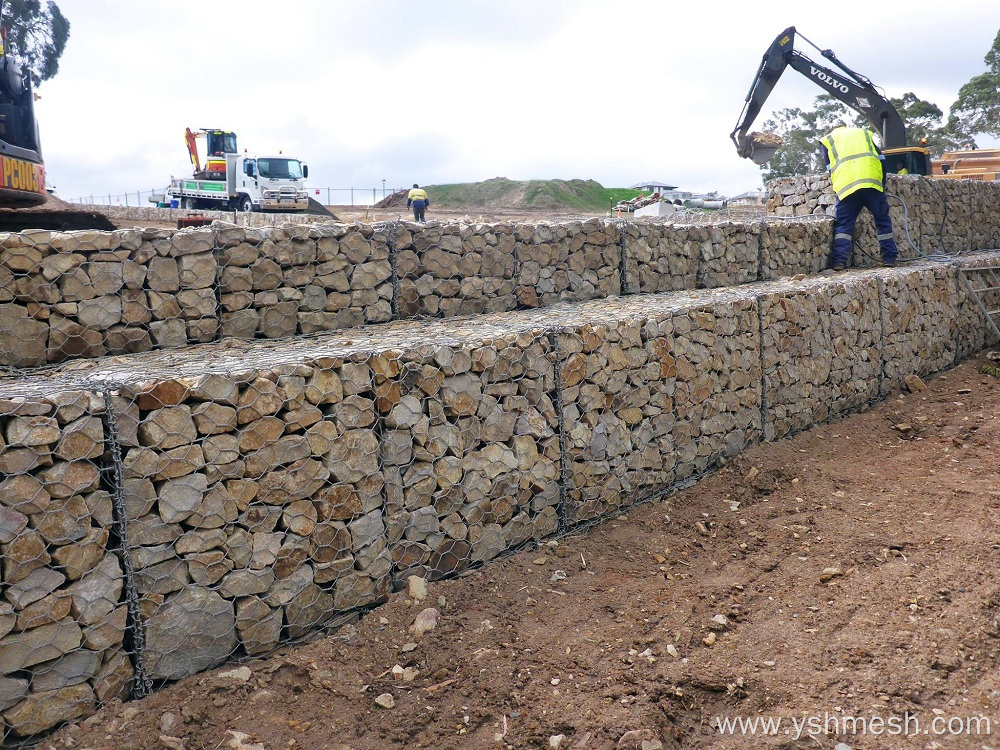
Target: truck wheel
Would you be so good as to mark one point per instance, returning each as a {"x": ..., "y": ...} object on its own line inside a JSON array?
[
  {"x": 246, "y": 205},
  {"x": 189, "y": 203}
]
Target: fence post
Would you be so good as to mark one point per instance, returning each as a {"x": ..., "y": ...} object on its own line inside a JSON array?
[
  {"x": 374, "y": 196},
  {"x": 352, "y": 197},
  {"x": 328, "y": 197}
]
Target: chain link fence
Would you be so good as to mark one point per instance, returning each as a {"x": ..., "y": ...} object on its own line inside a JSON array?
[{"x": 328, "y": 196}]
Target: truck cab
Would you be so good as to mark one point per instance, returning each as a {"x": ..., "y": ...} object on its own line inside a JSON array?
[{"x": 267, "y": 183}]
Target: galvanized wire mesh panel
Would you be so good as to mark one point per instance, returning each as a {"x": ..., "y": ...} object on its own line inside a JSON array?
[
  {"x": 919, "y": 318},
  {"x": 278, "y": 282},
  {"x": 973, "y": 330},
  {"x": 63, "y": 620},
  {"x": 470, "y": 452},
  {"x": 617, "y": 394},
  {"x": 820, "y": 351},
  {"x": 575, "y": 261},
  {"x": 255, "y": 501},
  {"x": 789, "y": 248},
  {"x": 717, "y": 353},
  {"x": 446, "y": 270},
  {"x": 664, "y": 258}
]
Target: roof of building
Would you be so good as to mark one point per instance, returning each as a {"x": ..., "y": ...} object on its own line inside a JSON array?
[{"x": 653, "y": 183}]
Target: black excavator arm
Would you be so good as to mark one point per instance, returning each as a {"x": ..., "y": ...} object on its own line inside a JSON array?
[{"x": 848, "y": 86}]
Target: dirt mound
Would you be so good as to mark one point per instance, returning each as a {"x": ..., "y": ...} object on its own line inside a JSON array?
[
  {"x": 317, "y": 208},
  {"x": 846, "y": 572},
  {"x": 55, "y": 214},
  {"x": 395, "y": 200}
]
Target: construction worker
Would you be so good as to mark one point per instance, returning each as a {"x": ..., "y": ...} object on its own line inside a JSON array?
[
  {"x": 855, "y": 164},
  {"x": 417, "y": 199}
]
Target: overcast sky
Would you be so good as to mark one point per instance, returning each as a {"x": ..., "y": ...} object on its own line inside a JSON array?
[{"x": 446, "y": 91}]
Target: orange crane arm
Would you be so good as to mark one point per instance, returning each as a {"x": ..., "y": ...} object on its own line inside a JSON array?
[{"x": 192, "y": 146}]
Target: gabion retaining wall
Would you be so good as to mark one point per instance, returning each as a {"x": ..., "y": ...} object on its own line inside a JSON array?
[
  {"x": 943, "y": 216},
  {"x": 123, "y": 214},
  {"x": 165, "y": 512},
  {"x": 91, "y": 294}
]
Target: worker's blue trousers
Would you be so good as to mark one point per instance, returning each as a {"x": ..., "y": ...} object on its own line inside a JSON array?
[{"x": 847, "y": 216}]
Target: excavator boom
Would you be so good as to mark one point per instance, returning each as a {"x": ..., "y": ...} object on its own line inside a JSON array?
[{"x": 846, "y": 85}]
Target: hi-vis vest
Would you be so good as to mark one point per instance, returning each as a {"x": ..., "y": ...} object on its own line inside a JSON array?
[
  {"x": 417, "y": 194},
  {"x": 854, "y": 162}
]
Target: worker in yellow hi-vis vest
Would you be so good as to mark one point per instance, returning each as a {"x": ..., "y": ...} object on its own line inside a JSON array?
[
  {"x": 417, "y": 200},
  {"x": 855, "y": 164}
]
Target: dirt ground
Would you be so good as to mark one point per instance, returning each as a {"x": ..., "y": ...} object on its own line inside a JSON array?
[{"x": 842, "y": 576}]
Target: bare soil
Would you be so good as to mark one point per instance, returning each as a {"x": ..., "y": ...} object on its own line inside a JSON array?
[{"x": 847, "y": 572}]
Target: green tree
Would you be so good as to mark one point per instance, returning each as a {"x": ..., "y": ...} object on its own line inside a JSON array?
[
  {"x": 36, "y": 34},
  {"x": 977, "y": 109}
]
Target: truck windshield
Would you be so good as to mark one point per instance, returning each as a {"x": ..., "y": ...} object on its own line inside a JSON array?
[{"x": 280, "y": 169}]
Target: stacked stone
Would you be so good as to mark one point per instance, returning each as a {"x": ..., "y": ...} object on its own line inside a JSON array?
[
  {"x": 268, "y": 486},
  {"x": 89, "y": 294},
  {"x": 789, "y": 248},
  {"x": 664, "y": 258},
  {"x": 673, "y": 257},
  {"x": 255, "y": 505},
  {"x": 984, "y": 217},
  {"x": 853, "y": 333},
  {"x": 942, "y": 216},
  {"x": 717, "y": 356},
  {"x": 618, "y": 383},
  {"x": 919, "y": 322},
  {"x": 178, "y": 299},
  {"x": 567, "y": 262},
  {"x": 733, "y": 257},
  {"x": 62, "y": 622},
  {"x": 169, "y": 215},
  {"x": 470, "y": 449},
  {"x": 446, "y": 270},
  {"x": 799, "y": 196},
  {"x": 282, "y": 281},
  {"x": 820, "y": 351}
]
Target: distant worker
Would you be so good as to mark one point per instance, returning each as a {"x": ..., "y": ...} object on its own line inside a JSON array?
[
  {"x": 901, "y": 167},
  {"x": 417, "y": 199},
  {"x": 855, "y": 164}
]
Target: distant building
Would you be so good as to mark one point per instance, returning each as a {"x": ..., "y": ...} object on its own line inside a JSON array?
[
  {"x": 667, "y": 192},
  {"x": 752, "y": 198},
  {"x": 653, "y": 187}
]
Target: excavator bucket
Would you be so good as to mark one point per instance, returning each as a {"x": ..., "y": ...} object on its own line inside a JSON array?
[
  {"x": 761, "y": 154},
  {"x": 758, "y": 147}
]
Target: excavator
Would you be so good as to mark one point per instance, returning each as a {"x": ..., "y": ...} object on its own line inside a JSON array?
[
  {"x": 24, "y": 201},
  {"x": 850, "y": 87},
  {"x": 22, "y": 174},
  {"x": 218, "y": 143}
]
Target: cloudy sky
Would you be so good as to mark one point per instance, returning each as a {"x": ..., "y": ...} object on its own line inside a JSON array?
[{"x": 445, "y": 91}]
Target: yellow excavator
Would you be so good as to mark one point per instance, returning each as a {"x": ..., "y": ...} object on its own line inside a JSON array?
[
  {"x": 22, "y": 171},
  {"x": 850, "y": 87}
]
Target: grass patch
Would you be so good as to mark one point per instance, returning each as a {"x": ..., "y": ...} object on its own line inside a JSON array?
[{"x": 567, "y": 195}]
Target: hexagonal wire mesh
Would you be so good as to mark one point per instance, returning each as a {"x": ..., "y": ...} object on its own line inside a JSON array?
[{"x": 164, "y": 512}]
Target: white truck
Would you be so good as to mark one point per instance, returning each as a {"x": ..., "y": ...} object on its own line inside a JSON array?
[{"x": 252, "y": 183}]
